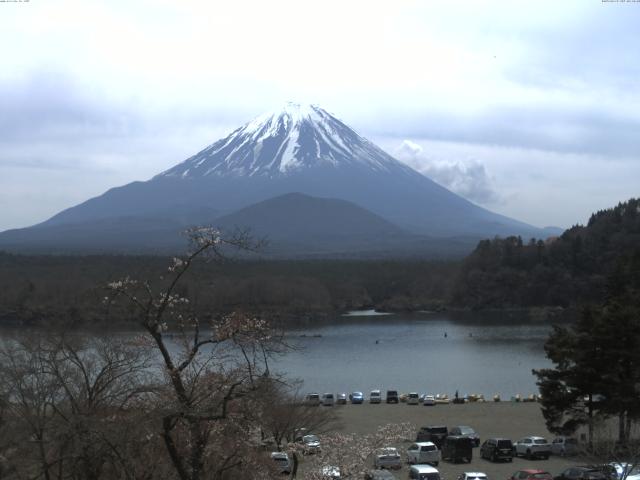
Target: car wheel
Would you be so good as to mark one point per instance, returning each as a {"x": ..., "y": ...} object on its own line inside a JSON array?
[
  {"x": 529, "y": 457},
  {"x": 494, "y": 458},
  {"x": 511, "y": 459},
  {"x": 435, "y": 464},
  {"x": 546, "y": 457}
]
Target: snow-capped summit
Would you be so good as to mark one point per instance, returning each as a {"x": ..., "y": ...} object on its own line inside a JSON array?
[
  {"x": 299, "y": 176},
  {"x": 278, "y": 143}
]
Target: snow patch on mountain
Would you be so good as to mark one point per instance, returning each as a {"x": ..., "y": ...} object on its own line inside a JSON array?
[{"x": 279, "y": 143}]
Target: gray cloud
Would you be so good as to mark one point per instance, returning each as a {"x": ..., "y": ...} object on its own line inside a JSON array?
[{"x": 468, "y": 179}]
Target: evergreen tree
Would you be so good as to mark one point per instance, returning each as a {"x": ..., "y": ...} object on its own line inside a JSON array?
[{"x": 597, "y": 371}]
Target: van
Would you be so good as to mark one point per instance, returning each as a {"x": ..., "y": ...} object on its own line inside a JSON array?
[
  {"x": 312, "y": 399},
  {"x": 328, "y": 399},
  {"x": 375, "y": 396}
]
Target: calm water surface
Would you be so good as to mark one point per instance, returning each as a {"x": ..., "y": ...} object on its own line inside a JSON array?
[{"x": 410, "y": 352}]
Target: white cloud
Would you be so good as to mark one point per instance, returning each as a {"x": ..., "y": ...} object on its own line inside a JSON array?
[{"x": 468, "y": 179}]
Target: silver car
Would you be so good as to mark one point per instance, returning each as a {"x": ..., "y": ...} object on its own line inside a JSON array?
[
  {"x": 564, "y": 446},
  {"x": 387, "y": 457}
]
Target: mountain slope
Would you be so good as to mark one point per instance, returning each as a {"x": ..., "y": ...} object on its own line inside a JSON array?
[{"x": 298, "y": 149}]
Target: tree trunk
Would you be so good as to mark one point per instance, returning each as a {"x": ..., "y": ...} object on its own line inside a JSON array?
[
  {"x": 621, "y": 427},
  {"x": 590, "y": 423}
]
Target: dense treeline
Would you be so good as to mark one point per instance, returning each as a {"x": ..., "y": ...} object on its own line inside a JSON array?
[
  {"x": 509, "y": 272},
  {"x": 564, "y": 271},
  {"x": 34, "y": 289}
]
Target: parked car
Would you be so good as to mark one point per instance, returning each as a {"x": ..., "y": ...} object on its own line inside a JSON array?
[
  {"x": 310, "y": 444},
  {"x": 330, "y": 472},
  {"x": 281, "y": 459},
  {"x": 392, "y": 396},
  {"x": 432, "y": 433},
  {"x": 379, "y": 475},
  {"x": 387, "y": 457},
  {"x": 472, "y": 476},
  {"x": 423, "y": 472},
  {"x": 299, "y": 433},
  {"x": 564, "y": 446},
  {"x": 375, "y": 396},
  {"x": 423, "y": 452},
  {"x": 582, "y": 473},
  {"x": 312, "y": 399},
  {"x": 356, "y": 397},
  {"x": 465, "y": 431},
  {"x": 495, "y": 449},
  {"x": 328, "y": 399},
  {"x": 618, "y": 470},
  {"x": 429, "y": 401},
  {"x": 532, "y": 447},
  {"x": 457, "y": 449},
  {"x": 342, "y": 399},
  {"x": 531, "y": 474},
  {"x": 413, "y": 398}
]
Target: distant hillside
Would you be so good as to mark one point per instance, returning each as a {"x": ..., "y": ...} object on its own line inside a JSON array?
[{"x": 572, "y": 268}]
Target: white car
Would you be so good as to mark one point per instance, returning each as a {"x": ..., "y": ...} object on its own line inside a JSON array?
[
  {"x": 375, "y": 396},
  {"x": 328, "y": 399},
  {"x": 387, "y": 457},
  {"x": 531, "y": 447},
  {"x": 282, "y": 462},
  {"x": 429, "y": 401},
  {"x": 413, "y": 398},
  {"x": 423, "y": 472},
  {"x": 423, "y": 452},
  {"x": 310, "y": 444},
  {"x": 330, "y": 472},
  {"x": 472, "y": 476}
]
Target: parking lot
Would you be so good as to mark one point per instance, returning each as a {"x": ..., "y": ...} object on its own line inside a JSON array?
[{"x": 502, "y": 419}]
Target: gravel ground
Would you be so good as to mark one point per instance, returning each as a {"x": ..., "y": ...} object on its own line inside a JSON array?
[{"x": 501, "y": 419}]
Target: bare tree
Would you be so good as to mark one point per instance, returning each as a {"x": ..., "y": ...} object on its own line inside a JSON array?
[
  {"x": 211, "y": 366},
  {"x": 353, "y": 454},
  {"x": 72, "y": 406},
  {"x": 286, "y": 415}
]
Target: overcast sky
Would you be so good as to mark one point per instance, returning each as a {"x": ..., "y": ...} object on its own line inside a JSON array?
[{"x": 531, "y": 109}]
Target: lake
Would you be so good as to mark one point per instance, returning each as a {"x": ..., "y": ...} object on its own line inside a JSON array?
[{"x": 422, "y": 352}]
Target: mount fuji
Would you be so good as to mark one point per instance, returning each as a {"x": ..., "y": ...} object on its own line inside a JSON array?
[{"x": 248, "y": 178}]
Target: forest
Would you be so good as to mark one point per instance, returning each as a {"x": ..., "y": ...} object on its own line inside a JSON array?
[{"x": 511, "y": 272}]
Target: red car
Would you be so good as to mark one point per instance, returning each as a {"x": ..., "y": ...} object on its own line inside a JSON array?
[{"x": 531, "y": 474}]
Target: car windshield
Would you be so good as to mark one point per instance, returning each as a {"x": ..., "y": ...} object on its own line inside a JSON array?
[
  {"x": 540, "y": 475},
  {"x": 357, "y": 394},
  {"x": 314, "y": 395},
  {"x": 572, "y": 441},
  {"x": 467, "y": 431},
  {"x": 540, "y": 441},
  {"x": 504, "y": 444},
  {"x": 310, "y": 438},
  {"x": 428, "y": 448},
  {"x": 281, "y": 460},
  {"x": 438, "y": 429}
]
